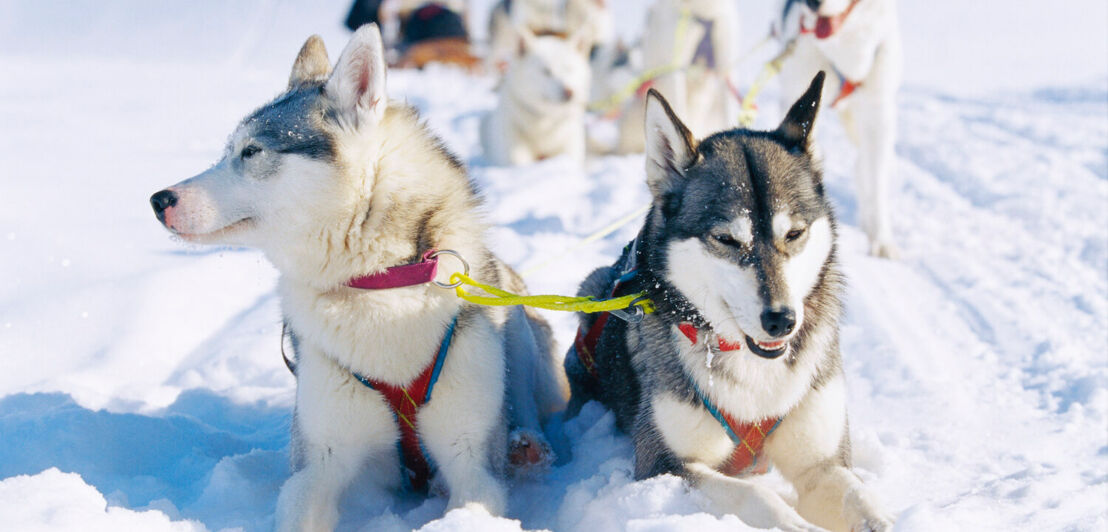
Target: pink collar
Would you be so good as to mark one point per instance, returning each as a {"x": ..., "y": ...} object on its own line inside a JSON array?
[{"x": 422, "y": 272}]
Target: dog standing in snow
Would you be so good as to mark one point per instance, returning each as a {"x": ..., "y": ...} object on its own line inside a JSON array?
[
  {"x": 541, "y": 110},
  {"x": 350, "y": 197},
  {"x": 859, "y": 42},
  {"x": 739, "y": 365}
]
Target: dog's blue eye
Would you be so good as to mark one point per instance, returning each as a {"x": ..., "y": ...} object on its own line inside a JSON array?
[{"x": 249, "y": 151}]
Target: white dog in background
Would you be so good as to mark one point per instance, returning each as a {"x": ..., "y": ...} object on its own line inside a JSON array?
[
  {"x": 693, "y": 42},
  {"x": 858, "y": 43},
  {"x": 541, "y": 112},
  {"x": 589, "y": 19}
]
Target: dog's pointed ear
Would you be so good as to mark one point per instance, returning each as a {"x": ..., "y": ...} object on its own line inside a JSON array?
[
  {"x": 670, "y": 146},
  {"x": 311, "y": 63},
  {"x": 357, "y": 85},
  {"x": 526, "y": 37},
  {"x": 796, "y": 130}
]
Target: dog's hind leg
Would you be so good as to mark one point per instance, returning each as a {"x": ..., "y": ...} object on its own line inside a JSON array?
[
  {"x": 534, "y": 391},
  {"x": 874, "y": 121}
]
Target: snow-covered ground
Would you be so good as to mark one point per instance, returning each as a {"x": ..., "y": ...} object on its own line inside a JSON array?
[{"x": 141, "y": 387}]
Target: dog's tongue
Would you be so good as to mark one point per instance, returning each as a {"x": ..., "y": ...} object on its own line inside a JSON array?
[{"x": 827, "y": 26}]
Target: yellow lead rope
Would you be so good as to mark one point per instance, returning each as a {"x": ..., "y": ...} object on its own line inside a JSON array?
[
  {"x": 631, "y": 88},
  {"x": 769, "y": 71},
  {"x": 502, "y": 298}
]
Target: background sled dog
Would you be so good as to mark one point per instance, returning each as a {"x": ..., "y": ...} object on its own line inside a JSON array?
[
  {"x": 541, "y": 110},
  {"x": 590, "y": 19},
  {"x": 859, "y": 42},
  {"x": 333, "y": 183},
  {"x": 739, "y": 365},
  {"x": 694, "y": 40}
]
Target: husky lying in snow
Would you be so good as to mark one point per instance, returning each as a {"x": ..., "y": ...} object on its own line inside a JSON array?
[
  {"x": 335, "y": 183},
  {"x": 739, "y": 365},
  {"x": 541, "y": 111},
  {"x": 858, "y": 40}
]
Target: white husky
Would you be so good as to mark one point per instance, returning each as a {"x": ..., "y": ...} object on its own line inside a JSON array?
[
  {"x": 541, "y": 111},
  {"x": 858, "y": 41},
  {"x": 336, "y": 184}
]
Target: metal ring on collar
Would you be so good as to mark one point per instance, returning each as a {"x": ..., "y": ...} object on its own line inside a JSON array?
[
  {"x": 456, "y": 255},
  {"x": 634, "y": 312}
]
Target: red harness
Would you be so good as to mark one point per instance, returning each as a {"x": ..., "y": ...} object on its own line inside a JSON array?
[
  {"x": 405, "y": 402},
  {"x": 749, "y": 438}
]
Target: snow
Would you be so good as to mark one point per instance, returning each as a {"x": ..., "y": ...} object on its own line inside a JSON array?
[{"x": 142, "y": 388}]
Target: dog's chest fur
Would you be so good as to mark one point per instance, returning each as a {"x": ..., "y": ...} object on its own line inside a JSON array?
[{"x": 389, "y": 335}]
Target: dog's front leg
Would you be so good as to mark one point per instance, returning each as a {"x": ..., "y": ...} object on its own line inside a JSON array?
[
  {"x": 756, "y": 505},
  {"x": 338, "y": 423},
  {"x": 811, "y": 448},
  {"x": 464, "y": 427}
]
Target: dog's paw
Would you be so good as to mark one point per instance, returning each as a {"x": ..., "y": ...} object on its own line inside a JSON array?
[
  {"x": 884, "y": 249},
  {"x": 529, "y": 453},
  {"x": 873, "y": 524},
  {"x": 761, "y": 507}
]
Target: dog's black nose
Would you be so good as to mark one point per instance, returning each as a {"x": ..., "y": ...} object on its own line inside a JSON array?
[
  {"x": 778, "y": 322},
  {"x": 813, "y": 4},
  {"x": 161, "y": 201}
]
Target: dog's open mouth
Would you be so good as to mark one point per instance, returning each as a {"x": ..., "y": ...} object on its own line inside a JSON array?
[
  {"x": 225, "y": 231},
  {"x": 772, "y": 349}
]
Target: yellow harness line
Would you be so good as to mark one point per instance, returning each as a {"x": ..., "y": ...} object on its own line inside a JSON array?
[
  {"x": 632, "y": 87},
  {"x": 748, "y": 113},
  {"x": 503, "y": 298}
]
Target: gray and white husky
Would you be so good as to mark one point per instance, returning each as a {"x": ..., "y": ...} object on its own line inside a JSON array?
[
  {"x": 334, "y": 182},
  {"x": 739, "y": 365}
]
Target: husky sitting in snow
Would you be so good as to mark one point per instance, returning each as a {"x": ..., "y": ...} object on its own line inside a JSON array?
[
  {"x": 541, "y": 111},
  {"x": 859, "y": 41},
  {"x": 739, "y": 365},
  {"x": 350, "y": 196}
]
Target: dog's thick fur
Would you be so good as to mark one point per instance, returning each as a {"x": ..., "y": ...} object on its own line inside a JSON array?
[
  {"x": 740, "y": 242},
  {"x": 332, "y": 181},
  {"x": 866, "y": 49},
  {"x": 541, "y": 109}
]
